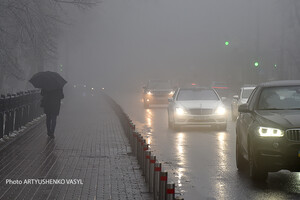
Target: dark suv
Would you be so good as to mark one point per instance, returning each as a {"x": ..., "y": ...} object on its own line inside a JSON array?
[
  {"x": 157, "y": 92},
  {"x": 268, "y": 129}
]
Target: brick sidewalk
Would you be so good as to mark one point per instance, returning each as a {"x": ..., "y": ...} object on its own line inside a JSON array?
[{"x": 89, "y": 145}]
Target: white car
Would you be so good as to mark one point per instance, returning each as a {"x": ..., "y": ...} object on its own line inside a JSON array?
[
  {"x": 240, "y": 99},
  {"x": 196, "y": 107}
]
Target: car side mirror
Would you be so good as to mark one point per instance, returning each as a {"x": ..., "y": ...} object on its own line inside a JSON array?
[
  {"x": 223, "y": 98},
  {"x": 236, "y": 97},
  {"x": 170, "y": 99},
  {"x": 244, "y": 108}
]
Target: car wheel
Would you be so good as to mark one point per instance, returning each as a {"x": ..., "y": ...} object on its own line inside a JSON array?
[
  {"x": 255, "y": 172},
  {"x": 240, "y": 160}
]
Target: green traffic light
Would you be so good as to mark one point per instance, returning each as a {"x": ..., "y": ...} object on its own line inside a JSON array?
[
  {"x": 226, "y": 43},
  {"x": 256, "y": 64},
  {"x": 275, "y": 66}
]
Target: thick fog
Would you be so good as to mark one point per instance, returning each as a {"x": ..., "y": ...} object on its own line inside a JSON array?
[{"x": 120, "y": 44}]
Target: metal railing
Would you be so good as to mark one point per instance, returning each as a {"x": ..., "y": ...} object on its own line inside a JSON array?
[
  {"x": 156, "y": 179},
  {"x": 17, "y": 110}
]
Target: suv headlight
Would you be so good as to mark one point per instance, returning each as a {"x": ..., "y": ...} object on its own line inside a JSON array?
[
  {"x": 220, "y": 110},
  {"x": 180, "y": 111},
  {"x": 171, "y": 93},
  {"x": 270, "y": 132},
  {"x": 149, "y": 93}
]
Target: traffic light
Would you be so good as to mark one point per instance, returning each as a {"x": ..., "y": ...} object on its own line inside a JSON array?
[
  {"x": 275, "y": 66},
  {"x": 256, "y": 64},
  {"x": 226, "y": 43},
  {"x": 61, "y": 67}
]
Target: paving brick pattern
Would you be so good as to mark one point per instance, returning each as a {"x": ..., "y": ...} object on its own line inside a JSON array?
[{"x": 89, "y": 146}]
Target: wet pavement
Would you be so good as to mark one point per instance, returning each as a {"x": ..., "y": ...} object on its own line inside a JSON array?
[
  {"x": 201, "y": 161},
  {"x": 90, "y": 158}
]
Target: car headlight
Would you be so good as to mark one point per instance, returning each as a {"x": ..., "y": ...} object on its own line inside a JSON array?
[
  {"x": 220, "y": 110},
  {"x": 149, "y": 93},
  {"x": 270, "y": 132},
  {"x": 171, "y": 93},
  {"x": 180, "y": 111}
]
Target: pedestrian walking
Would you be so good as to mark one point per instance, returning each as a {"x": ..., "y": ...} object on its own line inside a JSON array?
[
  {"x": 51, "y": 84},
  {"x": 51, "y": 103}
]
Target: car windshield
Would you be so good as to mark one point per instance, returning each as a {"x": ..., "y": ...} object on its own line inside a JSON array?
[
  {"x": 246, "y": 93},
  {"x": 159, "y": 85},
  {"x": 196, "y": 94},
  {"x": 280, "y": 98}
]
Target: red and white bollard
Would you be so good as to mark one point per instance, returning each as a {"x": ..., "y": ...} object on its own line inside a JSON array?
[
  {"x": 157, "y": 170},
  {"x": 151, "y": 173},
  {"x": 145, "y": 148},
  {"x": 163, "y": 185},
  {"x": 170, "y": 191},
  {"x": 147, "y": 165}
]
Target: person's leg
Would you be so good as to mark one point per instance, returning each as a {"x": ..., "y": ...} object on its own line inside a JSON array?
[
  {"x": 53, "y": 123},
  {"x": 48, "y": 124}
]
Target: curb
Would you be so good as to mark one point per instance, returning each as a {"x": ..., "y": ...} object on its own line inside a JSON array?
[
  {"x": 29, "y": 126},
  {"x": 151, "y": 169}
]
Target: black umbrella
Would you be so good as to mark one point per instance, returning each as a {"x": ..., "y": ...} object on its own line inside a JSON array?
[{"x": 48, "y": 80}]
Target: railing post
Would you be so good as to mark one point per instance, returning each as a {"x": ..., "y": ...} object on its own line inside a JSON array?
[
  {"x": 2, "y": 111},
  {"x": 151, "y": 173},
  {"x": 163, "y": 185},
  {"x": 145, "y": 148},
  {"x": 8, "y": 117},
  {"x": 139, "y": 148},
  {"x": 157, "y": 170},
  {"x": 134, "y": 147},
  {"x": 147, "y": 165},
  {"x": 170, "y": 191}
]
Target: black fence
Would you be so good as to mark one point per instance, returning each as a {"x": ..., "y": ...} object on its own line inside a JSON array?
[{"x": 16, "y": 110}]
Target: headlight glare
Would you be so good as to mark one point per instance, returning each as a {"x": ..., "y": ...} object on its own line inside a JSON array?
[
  {"x": 180, "y": 111},
  {"x": 270, "y": 132},
  {"x": 171, "y": 93},
  {"x": 220, "y": 110},
  {"x": 149, "y": 93}
]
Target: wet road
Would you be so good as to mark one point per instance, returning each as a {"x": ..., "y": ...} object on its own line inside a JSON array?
[{"x": 201, "y": 162}]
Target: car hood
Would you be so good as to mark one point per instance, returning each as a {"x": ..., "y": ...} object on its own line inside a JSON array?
[
  {"x": 161, "y": 90},
  {"x": 283, "y": 118},
  {"x": 206, "y": 104}
]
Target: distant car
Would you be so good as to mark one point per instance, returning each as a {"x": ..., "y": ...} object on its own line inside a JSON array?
[
  {"x": 157, "y": 92},
  {"x": 83, "y": 90},
  {"x": 242, "y": 98},
  {"x": 223, "y": 89},
  {"x": 268, "y": 129},
  {"x": 196, "y": 106}
]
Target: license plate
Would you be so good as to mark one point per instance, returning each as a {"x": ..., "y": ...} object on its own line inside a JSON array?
[{"x": 199, "y": 117}]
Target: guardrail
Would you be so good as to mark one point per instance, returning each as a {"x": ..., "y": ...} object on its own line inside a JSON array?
[
  {"x": 17, "y": 110},
  {"x": 156, "y": 179}
]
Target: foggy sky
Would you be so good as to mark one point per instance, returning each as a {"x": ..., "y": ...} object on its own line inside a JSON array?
[{"x": 122, "y": 43}]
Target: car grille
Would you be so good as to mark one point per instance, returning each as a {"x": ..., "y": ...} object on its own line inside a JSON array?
[
  {"x": 201, "y": 111},
  {"x": 293, "y": 134},
  {"x": 157, "y": 93}
]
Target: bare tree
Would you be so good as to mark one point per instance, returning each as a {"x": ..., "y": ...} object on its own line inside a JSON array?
[{"x": 28, "y": 34}]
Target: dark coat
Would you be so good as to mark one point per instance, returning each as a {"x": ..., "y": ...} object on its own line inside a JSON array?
[{"x": 51, "y": 101}]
